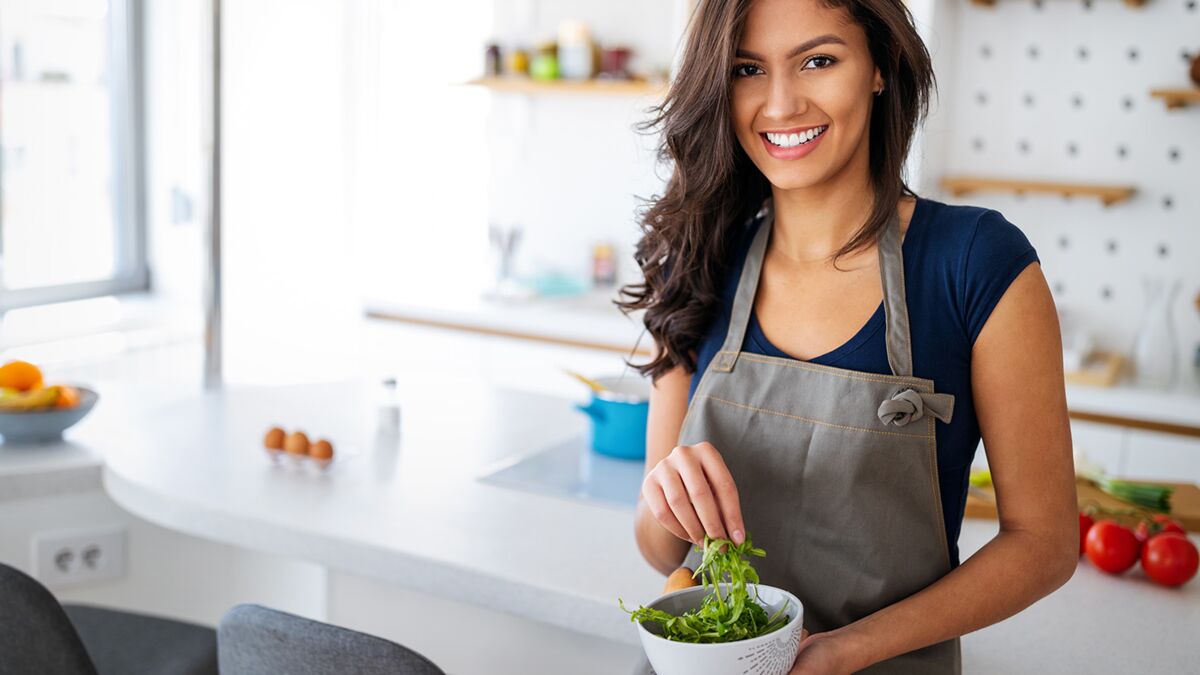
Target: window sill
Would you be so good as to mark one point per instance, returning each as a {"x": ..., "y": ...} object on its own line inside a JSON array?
[{"x": 85, "y": 329}]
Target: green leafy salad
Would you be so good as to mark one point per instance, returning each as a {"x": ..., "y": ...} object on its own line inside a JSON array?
[{"x": 720, "y": 618}]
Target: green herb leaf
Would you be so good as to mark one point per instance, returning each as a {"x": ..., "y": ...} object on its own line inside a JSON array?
[{"x": 720, "y": 618}]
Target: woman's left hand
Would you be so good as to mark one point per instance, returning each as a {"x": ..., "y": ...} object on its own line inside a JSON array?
[{"x": 820, "y": 654}]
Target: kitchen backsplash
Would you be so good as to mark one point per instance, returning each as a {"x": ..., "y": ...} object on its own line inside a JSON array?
[{"x": 1060, "y": 91}]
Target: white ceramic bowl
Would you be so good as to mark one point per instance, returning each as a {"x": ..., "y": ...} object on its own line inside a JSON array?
[{"x": 770, "y": 654}]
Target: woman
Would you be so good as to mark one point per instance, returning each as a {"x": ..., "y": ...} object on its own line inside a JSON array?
[{"x": 843, "y": 447}]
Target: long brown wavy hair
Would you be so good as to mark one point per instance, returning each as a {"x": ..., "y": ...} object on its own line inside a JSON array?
[{"x": 714, "y": 186}]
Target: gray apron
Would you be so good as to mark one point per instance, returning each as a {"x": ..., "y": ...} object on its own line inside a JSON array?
[{"x": 836, "y": 469}]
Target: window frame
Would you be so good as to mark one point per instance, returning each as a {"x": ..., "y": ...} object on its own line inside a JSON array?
[{"x": 128, "y": 132}]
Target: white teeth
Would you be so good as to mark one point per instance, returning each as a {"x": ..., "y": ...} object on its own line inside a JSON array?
[{"x": 792, "y": 140}]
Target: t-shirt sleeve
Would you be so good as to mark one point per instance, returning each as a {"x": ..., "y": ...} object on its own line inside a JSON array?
[{"x": 998, "y": 251}]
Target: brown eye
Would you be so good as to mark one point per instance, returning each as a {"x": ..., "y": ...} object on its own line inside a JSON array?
[
  {"x": 745, "y": 70},
  {"x": 829, "y": 61}
]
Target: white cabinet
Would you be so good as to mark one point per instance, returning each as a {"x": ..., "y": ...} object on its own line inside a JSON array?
[
  {"x": 1132, "y": 453},
  {"x": 1156, "y": 456},
  {"x": 1103, "y": 444}
]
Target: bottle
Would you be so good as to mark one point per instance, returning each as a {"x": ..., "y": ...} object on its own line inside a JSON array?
[
  {"x": 544, "y": 65},
  {"x": 575, "y": 54},
  {"x": 604, "y": 265},
  {"x": 1155, "y": 357},
  {"x": 388, "y": 407},
  {"x": 493, "y": 63}
]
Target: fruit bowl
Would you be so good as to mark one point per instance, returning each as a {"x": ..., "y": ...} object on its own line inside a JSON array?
[
  {"x": 770, "y": 654},
  {"x": 44, "y": 425}
]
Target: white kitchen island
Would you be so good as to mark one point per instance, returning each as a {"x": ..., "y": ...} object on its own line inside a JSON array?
[{"x": 418, "y": 549}]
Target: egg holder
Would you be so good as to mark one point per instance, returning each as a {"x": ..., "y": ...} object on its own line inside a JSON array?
[{"x": 282, "y": 458}]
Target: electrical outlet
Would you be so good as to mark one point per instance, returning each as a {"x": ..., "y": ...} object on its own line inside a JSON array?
[{"x": 69, "y": 557}]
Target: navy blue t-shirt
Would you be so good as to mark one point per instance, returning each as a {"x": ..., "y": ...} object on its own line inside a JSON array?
[{"x": 958, "y": 262}]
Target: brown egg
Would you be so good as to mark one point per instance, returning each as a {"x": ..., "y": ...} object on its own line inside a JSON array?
[
  {"x": 274, "y": 438},
  {"x": 680, "y": 578},
  {"x": 322, "y": 449},
  {"x": 296, "y": 443}
]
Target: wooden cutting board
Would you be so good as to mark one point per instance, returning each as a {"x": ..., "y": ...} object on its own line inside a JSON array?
[{"x": 1185, "y": 502}]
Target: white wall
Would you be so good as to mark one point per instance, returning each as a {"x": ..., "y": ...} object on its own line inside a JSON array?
[
  {"x": 1094, "y": 257},
  {"x": 290, "y": 307},
  {"x": 167, "y": 573}
]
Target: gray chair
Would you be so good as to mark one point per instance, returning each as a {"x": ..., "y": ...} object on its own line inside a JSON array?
[
  {"x": 38, "y": 635},
  {"x": 255, "y": 640},
  {"x": 35, "y": 634}
]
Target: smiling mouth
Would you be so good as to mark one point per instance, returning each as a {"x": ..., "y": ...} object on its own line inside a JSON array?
[{"x": 793, "y": 140}]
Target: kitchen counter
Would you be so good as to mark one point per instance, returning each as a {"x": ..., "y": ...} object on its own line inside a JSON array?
[
  {"x": 412, "y": 512},
  {"x": 592, "y": 321}
]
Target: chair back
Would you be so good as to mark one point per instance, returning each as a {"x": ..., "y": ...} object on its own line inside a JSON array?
[
  {"x": 256, "y": 640},
  {"x": 35, "y": 634}
]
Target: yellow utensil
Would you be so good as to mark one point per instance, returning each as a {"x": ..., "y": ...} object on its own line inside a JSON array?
[{"x": 592, "y": 384}]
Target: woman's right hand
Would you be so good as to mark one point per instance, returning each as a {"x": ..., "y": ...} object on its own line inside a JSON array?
[{"x": 691, "y": 493}]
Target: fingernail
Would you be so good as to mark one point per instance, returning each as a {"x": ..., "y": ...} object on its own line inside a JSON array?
[{"x": 737, "y": 536}]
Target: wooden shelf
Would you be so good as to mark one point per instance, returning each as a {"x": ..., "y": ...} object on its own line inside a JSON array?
[
  {"x": 1136, "y": 4},
  {"x": 1108, "y": 194},
  {"x": 1177, "y": 98},
  {"x": 525, "y": 85}
]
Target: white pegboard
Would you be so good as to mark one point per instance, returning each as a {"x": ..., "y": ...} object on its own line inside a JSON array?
[{"x": 1060, "y": 90}]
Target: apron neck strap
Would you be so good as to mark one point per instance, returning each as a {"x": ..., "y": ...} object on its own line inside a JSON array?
[{"x": 891, "y": 266}]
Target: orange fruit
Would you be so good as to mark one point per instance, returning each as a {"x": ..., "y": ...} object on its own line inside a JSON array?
[
  {"x": 68, "y": 397},
  {"x": 20, "y": 375}
]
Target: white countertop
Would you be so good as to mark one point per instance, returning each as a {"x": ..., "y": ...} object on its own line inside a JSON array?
[{"x": 414, "y": 514}]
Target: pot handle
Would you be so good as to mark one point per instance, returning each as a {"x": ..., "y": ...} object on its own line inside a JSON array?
[{"x": 591, "y": 410}]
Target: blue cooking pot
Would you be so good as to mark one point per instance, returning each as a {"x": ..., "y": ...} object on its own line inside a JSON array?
[{"x": 619, "y": 417}]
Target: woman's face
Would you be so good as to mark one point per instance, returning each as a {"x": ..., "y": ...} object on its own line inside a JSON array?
[{"x": 802, "y": 67}]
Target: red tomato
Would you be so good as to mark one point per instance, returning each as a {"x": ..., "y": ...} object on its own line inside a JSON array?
[
  {"x": 1160, "y": 522},
  {"x": 1112, "y": 547},
  {"x": 1170, "y": 559},
  {"x": 1085, "y": 524}
]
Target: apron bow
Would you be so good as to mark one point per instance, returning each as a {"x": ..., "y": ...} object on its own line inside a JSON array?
[{"x": 910, "y": 405}]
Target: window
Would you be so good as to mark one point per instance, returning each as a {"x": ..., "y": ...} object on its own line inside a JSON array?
[{"x": 71, "y": 167}]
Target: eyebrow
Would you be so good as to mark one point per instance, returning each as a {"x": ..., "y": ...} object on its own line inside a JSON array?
[{"x": 798, "y": 49}]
